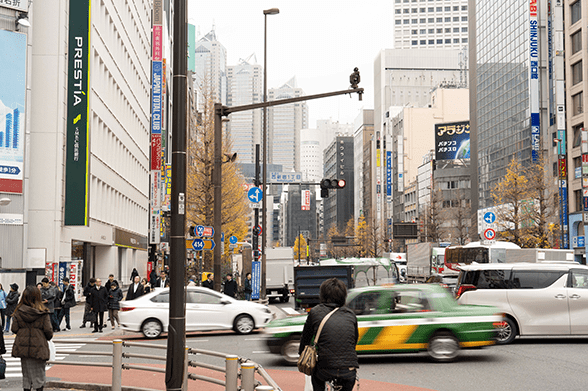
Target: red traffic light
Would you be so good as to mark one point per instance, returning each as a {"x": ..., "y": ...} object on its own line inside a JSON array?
[
  {"x": 333, "y": 183},
  {"x": 341, "y": 183}
]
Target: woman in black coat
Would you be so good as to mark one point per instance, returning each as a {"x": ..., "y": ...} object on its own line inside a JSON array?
[
  {"x": 11, "y": 302},
  {"x": 99, "y": 304},
  {"x": 114, "y": 297}
]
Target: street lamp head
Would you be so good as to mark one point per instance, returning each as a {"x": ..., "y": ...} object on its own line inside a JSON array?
[{"x": 271, "y": 11}]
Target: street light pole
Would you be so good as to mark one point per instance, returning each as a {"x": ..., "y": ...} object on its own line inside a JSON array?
[{"x": 265, "y": 229}]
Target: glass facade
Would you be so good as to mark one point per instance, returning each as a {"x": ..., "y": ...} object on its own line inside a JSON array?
[{"x": 503, "y": 105}]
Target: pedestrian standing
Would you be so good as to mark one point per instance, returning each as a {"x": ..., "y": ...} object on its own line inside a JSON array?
[
  {"x": 56, "y": 306},
  {"x": 109, "y": 282},
  {"x": 153, "y": 278},
  {"x": 88, "y": 306},
  {"x": 32, "y": 326},
  {"x": 3, "y": 306},
  {"x": 11, "y": 303},
  {"x": 115, "y": 295},
  {"x": 337, "y": 359},
  {"x": 48, "y": 297},
  {"x": 68, "y": 300},
  {"x": 135, "y": 290},
  {"x": 99, "y": 302},
  {"x": 192, "y": 281},
  {"x": 209, "y": 283},
  {"x": 230, "y": 286},
  {"x": 134, "y": 274},
  {"x": 146, "y": 285},
  {"x": 248, "y": 288},
  {"x": 162, "y": 281}
]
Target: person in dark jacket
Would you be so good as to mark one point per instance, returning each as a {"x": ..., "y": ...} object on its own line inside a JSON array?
[
  {"x": 68, "y": 300},
  {"x": 32, "y": 326},
  {"x": 248, "y": 288},
  {"x": 87, "y": 309},
  {"x": 99, "y": 303},
  {"x": 109, "y": 282},
  {"x": 134, "y": 274},
  {"x": 135, "y": 290},
  {"x": 11, "y": 302},
  {"x": 56, "y": 306},
  {"x": 230, "y": 286},
  {"x": 337, "y": 358},
  {"x": 162, "y": 281},
  {"x": 209, "y": 283},
  {"x": 115, "y": 295},
  {"x": 48, "y": 294}
]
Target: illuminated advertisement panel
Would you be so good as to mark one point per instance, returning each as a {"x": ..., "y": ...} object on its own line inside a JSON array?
[{"x": 452, "y": 141}]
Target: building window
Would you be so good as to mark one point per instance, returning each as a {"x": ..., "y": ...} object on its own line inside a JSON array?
[
  {"x": 555, "y": 169},
  {"x": 576, "y": 42},
  {"x": 406, "y": 11},
  {"x": 415, "y": 43},
  {"x": 439, "y": 41},
  {"x": 576, "y": 11},
  {"x": 414, "y": 10},
  {"x": 405, "y": 21},
  {"x": 439, "y": 20},
  {"x": 464, "y": 29},
  {"x": 414, "y": 32},
  {"x": 422, "y": 20},
  {"x": 423, "y": 41},
  {"x": 397, "y": 21},
  {"x": 439, "y": 9},
  {"x": 431, "y": 9},
  {"x": 455, "y": 40},
  {"x": 464, "y": 40},
  {"x": 577, "y": 73},
  {"x": 397, "y": 11},
  {"x": 464, "y": 18},
  {"x": 447, "y": 19},
  {"x": 415, "y": 21},
  {"x": 464, "y": 7},
  {"x": 456, "y": 29},
  {"x": 447, "y": 31},
  {"x": 431, "y": 41},
  {"x": 448, "y": 40},
  {"x": 578, "y": 103},
  {"x": 578, "y": 198},
  {"x": 447, "y": 9},
  {"x": 577, "y": 135},
  {"x": 431, "y": 20},
  {"x": 439, "y": 31},
  {"x": 422, "y": 10},
  {"x": 456, "y": 18},
  {"x": 431, "y": 31}
]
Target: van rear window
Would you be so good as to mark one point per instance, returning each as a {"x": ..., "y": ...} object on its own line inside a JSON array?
[
  {"x": 487, "y": 279},
  {"x": 535, "y": 279}
]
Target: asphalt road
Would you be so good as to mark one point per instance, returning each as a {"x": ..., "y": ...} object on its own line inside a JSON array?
[{"x": 527, "y": 364}]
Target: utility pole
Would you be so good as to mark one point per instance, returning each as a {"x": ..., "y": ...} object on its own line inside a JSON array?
[{"x": 176, "y": 340}]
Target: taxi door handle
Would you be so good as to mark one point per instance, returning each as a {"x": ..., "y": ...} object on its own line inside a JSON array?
[
  {"x": 560, "y": 296},
  {"x": 574, "y": 296}
]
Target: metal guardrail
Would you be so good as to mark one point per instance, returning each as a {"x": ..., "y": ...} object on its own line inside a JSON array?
[{"x": 235, "y": 367}]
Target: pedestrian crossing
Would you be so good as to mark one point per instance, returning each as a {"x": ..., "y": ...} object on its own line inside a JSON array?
[{"x": 13, "y": 368}]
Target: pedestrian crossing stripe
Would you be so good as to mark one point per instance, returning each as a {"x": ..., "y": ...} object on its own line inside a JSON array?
[{"x": 13, "y": 367}]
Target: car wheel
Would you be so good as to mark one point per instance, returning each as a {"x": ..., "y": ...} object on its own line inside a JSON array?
[
  {"x": 506, "y": 331},
  {"x": 290, "y": 351},
  {"x": 284, "y": 299},
  {"x": 443, "y": 347},
  {"x": 244, "y": 324},
  {"x": 152, "y": 328}
]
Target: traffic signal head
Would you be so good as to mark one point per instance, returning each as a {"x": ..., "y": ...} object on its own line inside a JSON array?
[
  {"x": 327, "y": 184},
  {"x": 354, "y": 78}
]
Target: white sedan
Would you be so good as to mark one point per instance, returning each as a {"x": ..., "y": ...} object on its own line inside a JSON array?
[{"x": 205, "y": 310}]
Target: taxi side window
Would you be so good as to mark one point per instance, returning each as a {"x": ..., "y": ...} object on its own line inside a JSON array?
[
  {"x": 202, "y": 298},
  {"x": 409, "y": 301},
  {"x": 365, "y": 303},
  {"x": 579, "y": 279}
]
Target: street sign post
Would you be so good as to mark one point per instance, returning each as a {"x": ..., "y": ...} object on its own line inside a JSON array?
[
  {"x": 255, "y": 194},
  {"x": 203, "y": 231},
  {"x": 489, "y": 234},
  {"x": 233, "y": 239},
  {"x": 489, "y": 217},
  {"x": 202, "y": 244}
]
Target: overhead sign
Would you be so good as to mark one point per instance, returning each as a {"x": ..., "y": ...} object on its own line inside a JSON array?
[
  {"x": 203, "y": 231},
  {"x": 285, "y": 177},
  {"x": 255, "y": 194},
  {"x": 452, "y": 141}
]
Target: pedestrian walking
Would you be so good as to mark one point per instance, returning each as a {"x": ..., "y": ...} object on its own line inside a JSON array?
[
  {"x": 32, "y": 326},
  {"x": 192, "y": 281},
  {"x": 115, "y": 295},
  {"x": 56, "y": 306},
  {"x": 209, "y": 283},
  {"x": 230, "y": 286},
  {"x": 48, "y": 297},
  {"x": 109, "y": 282},
  {"x": 337, "y": 359},
  {"x": 153, "y": 278},
  {"x": 68, "y": 300},
  {"x": 162, "y": 281},
  {"x": 88, "y": 316},
  {"x": 99, "y": 303},
  {"x": 134, "y": 274},
  {"x": 135, "y": 290},
  {"x": 146, "y": 286},
  {"x": 247, "y": 287},
  {"x": 3, "y": 295},
  {"x": 11, "y": 303}
]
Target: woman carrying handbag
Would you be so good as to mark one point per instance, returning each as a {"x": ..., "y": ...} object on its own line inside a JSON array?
[
  {"x": 335, "y": 345},
  {"x": 32, "y": 326}
]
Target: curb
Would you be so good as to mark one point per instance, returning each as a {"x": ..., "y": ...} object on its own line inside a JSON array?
[{"x": 60, "y": 385}]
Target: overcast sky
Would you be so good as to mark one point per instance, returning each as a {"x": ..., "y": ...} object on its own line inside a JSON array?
[{"x": 319, "y": 42}]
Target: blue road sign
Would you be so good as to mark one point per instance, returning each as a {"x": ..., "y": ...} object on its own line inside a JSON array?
[
  {"x": 233, "y": 239},
  {"x": 203, "y": 244},
  {"x": 199, "y": 230},
  {"x": 255, "y": 279},
  {"x": 489, "y": 217},
  {"x": 198, "y": 244},
  {"x": 9, "y": 170},
  {"x": 255, "y": 194},
  {"x": 222, "y": 236}
]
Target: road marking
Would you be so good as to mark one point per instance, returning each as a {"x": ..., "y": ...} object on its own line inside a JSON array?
[
  {"x": 260, "y": 351},
  {"x": 13, "y": 367},
  {"x": 290, "y": 311}
]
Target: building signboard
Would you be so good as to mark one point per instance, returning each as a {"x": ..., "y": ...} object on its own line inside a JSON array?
[
  {"x": 534, "y": 80},
  {"x": 78, "y": 115},
  {"x": 285, "y": 177},
  {"x": 452, "y": 140},
  {"x": 21, "y": 5},
  {"x": 305, "y": 200}
]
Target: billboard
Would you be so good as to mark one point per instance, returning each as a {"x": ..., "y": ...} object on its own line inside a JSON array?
[
  {"x": 78, "y": 109},
  {"x": 305, "y": 200},
  {"x": 452, "y": 140},
  {"x": 534, "y": 80},
  {"x": 13, "y": 47}
]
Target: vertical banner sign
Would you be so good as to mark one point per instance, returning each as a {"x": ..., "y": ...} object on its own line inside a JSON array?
[
  {"x": 78, "y": 114},
  {"x": 305, "y": 200},
  {"x": 13, "y": 47},
  {"x": 156, "y": 124},
  {"x": 551, "y": 86},
  {"x": 73, "y": 275},
  {"x": 389, "y": 176},
  {"x": 534, "y": 80},
  {"x": 63, "y": 271},
  {"x": 255, "y": 279}
]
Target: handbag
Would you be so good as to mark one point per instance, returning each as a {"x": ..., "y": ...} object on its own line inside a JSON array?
[
  {"x": 2, "y": 368},
  {"x": 308, "y": 358},
  {"x": 52, "y": 351}
]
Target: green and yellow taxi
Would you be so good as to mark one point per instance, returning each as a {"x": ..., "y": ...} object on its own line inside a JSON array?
[{"x": 401, "y": 319}]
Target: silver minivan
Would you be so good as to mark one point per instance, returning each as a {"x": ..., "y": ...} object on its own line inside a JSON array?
[{"x": 544, "y": 298}]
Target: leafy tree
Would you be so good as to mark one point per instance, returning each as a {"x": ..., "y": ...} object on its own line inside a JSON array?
[
  {"x": 362, "y": 237},
  {"x": 545, "y": 207},
  {"x": 300, "y": 243}
]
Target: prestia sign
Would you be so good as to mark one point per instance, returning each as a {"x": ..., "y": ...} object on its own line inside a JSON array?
[{"x": 77, "y": 149}]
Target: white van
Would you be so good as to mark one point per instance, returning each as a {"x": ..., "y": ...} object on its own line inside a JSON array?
[{"x": 545, "y": 298}]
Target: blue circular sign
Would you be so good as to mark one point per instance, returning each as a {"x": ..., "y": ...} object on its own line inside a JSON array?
[
  {"x": 233, "y": 240},
  {"x": 489, "y": 217},
  {"x": 255, "y": 194}
]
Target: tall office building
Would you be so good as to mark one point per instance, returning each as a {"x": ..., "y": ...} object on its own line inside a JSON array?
[
  {"x": 338, "y": 207},
  {"x": 284, "y": 125},
  {"x": 245, "y": 86},
  {"x": 513, "y": 97},
  {"x": 439, "y": 24},
  {"x": 211, "y": 68},
  {"x": 86, "y": 122},
  {"x": 363, "y": 186}
]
